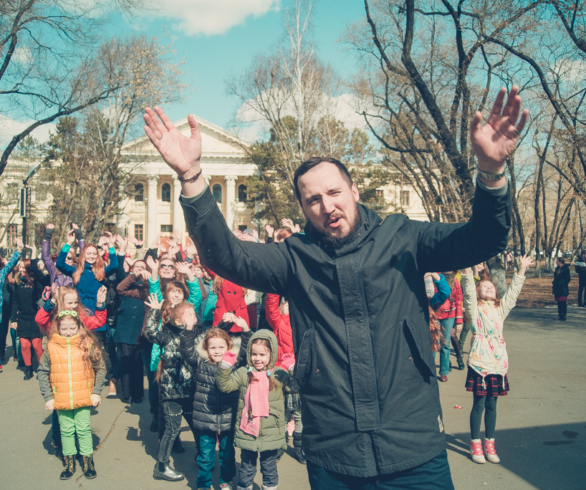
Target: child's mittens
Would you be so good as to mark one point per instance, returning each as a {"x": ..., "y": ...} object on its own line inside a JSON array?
[
  {"x": 228, "y": 361},
  {"x": 288, "y": 362}
]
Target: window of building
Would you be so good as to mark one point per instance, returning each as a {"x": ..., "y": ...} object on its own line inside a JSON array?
[
  {"x": 242, "y": 193},
  {"x": 404, "y": 198},
  {"x": 12, "y": 192},
  {"x": 139, "y": 232},
  {"x": 139, "y": 192},
  {"x": 217, "y": 191},
  {"x": 12, "y": 235},
  {"x": 166, "y": 228},
  {"x": 380, "y": 193},
  {"x": 166, "y": 193}
]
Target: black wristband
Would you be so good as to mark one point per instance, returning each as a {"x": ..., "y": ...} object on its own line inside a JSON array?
[{"x": 48, "y": 234}]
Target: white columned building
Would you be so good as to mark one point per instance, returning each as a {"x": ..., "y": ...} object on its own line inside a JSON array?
[{"x": 225, "y": 168}]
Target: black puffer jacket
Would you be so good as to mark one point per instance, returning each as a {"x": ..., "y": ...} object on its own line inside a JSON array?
[
  {"x": 24, "y": 310},
  {"x": 177, "y": 380},
  {"x": 212, "y": 409}
]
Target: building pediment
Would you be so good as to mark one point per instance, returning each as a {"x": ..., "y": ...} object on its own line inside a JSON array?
[{"x": 216, "y": 142}]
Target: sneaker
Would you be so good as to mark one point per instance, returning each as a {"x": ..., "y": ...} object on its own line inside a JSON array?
[
  {"x": 476, "y": 451},
  {"x": 226, "y": 486},
  {"x": 0, "y": 368},
  {"x": 112, "y": 388},
  {"x": 443, "y": 378},
  {"x": 490, "y": 451}
]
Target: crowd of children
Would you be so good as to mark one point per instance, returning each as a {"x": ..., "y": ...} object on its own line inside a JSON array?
[
  {"x": 214, "y": 354},
  {"x": 103, "y": 314}
]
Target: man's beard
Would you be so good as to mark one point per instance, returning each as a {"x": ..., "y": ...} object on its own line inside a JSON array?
[{"x": 333, "y": 241}]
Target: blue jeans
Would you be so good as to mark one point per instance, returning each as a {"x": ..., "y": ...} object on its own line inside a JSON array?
[
  {"x": 206, "y": 459},
  {"x": 433, "y": 475},
  {"x": 447, "y": 325}
]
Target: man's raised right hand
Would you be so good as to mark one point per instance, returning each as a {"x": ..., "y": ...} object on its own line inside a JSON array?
[{"x": 181, "y": 153}]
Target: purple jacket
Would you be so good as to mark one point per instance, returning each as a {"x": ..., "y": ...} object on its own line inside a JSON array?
[{"x": 61, "y": 279}]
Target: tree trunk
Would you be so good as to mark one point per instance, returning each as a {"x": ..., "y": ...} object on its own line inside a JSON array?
[{"x": 497, "y": 273}]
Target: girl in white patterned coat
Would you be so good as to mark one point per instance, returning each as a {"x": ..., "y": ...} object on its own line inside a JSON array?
[{"x": 488, "y": 361}]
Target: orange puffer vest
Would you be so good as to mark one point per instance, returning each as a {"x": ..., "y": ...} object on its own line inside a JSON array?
[{"x": 72, "y": 379}]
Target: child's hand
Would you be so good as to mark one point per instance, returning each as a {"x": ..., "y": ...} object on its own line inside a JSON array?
[
  {"x": 189, "y": 318},
  {"x": 288, "y": 362},
  {"x": 71, "y": 236},
  {"x": 228, "y": 361},
  {"x": 13, "y": 325},
  {"x": 102, "y": 296},
  {"x": 524, "y": 262},
  {"x": 183, "y": 268},
  {"x": 241, "y": 322},
  {"x": 153, "y": 302},
  {"x": 191, "y": 251},
  {"x": 153, "y": 265},
  {"x": 144, "y": 275},
  {"x": 229, "y": 317},
  {"x": 49, "y": 405},
  {"x": 96, "y": 400}
]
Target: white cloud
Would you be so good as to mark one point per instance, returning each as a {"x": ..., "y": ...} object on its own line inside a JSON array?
[
  {"x": 211, "y": 17},
  {"x": 10, "y": 127}
]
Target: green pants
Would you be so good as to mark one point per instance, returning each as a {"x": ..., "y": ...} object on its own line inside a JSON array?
[{"x": 72, "y": 421}]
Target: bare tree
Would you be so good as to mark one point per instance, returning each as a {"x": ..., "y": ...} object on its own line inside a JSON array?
[{"x": 47, "y": 57}]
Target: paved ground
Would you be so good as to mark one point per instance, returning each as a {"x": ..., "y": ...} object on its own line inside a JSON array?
[{"x": 541, "y": 428}]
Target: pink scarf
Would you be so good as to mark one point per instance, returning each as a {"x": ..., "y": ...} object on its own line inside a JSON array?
[{"x": 256, "y": 400}]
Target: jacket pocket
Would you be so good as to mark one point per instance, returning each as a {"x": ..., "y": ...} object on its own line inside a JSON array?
[
  {"x": 420, "y": 344},
  {"x": 303, "y": 361}
]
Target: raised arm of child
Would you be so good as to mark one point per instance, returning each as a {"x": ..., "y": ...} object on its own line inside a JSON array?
[{"x": 509, "y": 299}]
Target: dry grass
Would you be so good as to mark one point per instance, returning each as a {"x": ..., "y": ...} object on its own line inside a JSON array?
[{"x": 536, "y": 292}]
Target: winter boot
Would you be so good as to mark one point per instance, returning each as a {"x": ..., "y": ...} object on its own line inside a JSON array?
[
  {"x": 226, "y": 486},
  {"x": 264, "y": 487},
  {"x": 28, "y": 372},
  {"x": 89, "y": 470},
  {"x": 476, "y": 451},
  {"x": 490, "y": 451},
  {"x": 249, "y": 487},
  {"x": 299, "y": 454},
  {"x": 163, "y": 471},
  {"x": 69, "y": 469}
]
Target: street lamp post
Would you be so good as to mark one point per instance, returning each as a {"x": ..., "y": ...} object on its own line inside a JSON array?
[{"x": 25, "y": 198}]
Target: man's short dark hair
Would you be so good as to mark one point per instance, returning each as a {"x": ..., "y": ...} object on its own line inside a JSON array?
[{"x": 314, "y": 162}]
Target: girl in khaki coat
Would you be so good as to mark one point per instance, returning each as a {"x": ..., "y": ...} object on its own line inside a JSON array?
[{"x": 260, "y": 417}]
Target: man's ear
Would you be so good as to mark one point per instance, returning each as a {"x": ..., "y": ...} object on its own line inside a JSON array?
[{"x": 355, "y": 192}]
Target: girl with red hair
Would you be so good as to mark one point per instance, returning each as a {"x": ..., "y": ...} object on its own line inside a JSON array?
[{"x": 90, "y": 271}]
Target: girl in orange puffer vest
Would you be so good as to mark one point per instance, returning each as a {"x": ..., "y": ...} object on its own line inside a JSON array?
[{"x": 71, "y": 377}]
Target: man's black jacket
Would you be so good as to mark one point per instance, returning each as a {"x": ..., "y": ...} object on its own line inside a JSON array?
[{"x": 359, "y": 315}]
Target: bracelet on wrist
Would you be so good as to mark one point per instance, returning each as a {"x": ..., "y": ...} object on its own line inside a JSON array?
[
  {"x": 190, "y": 179},
  {"x": 489, "y": 176}
]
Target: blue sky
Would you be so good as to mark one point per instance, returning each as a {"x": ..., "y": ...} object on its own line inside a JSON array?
[
  {"x": 212, "y": 58},
  {"x": 220, "y": 38}
]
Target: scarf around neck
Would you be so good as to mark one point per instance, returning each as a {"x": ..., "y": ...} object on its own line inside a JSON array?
[{"x": 256, "y": 402}]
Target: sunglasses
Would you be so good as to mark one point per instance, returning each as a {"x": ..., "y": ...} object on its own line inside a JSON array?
[{"x": 167, "y": 266}]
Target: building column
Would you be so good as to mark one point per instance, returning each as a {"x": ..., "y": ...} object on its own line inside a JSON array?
[
  {"x": 178, "y": 220},
  {"x": 153, "y": 181},
  {"x": 230, "y": 198}
]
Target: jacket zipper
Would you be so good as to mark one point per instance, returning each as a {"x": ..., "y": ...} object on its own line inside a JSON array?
[{"x": 69, "y": 369}]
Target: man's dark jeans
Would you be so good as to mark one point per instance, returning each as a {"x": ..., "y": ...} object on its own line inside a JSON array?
[
  {"x": 268, "y": 468},
  {"x": 433, "y": 475},
  {"x": 206, "y": 459}
]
